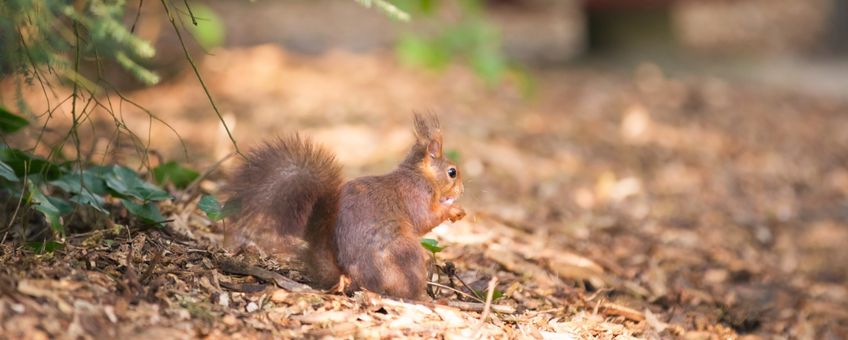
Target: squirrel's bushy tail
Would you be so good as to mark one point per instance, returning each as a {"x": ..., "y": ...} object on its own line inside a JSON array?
[{"x": 287, "y": 189}]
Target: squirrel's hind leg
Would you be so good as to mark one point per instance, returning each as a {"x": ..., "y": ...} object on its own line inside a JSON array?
[{"x": 397, "y": 270}]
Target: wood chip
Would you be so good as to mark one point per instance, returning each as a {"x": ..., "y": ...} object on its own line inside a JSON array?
[
  {"x": 232, "y": 266},
  {"x": 478, "y": 307},
  {"x": 609, "y": 308},
  {"x": 324, "y": 317}
]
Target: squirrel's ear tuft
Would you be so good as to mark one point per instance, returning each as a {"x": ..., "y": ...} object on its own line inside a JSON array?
[{"x": 428, "y": 133}]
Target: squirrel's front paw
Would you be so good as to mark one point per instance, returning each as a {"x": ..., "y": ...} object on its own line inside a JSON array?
[{"x": 456, "y": 213}]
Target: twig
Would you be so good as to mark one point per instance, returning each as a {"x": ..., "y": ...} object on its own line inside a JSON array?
[
  {"x": 489, "y": 296},
  {"x": 613, "y": 309},
  {"x": 455, "y": 290},
  {"x": 193, "y": 19},
  {"x": 479, "y": 298},
  {"x": 232, "y": 266},
  {"x": 137, "y": 16},
  {"x": 20, "y": 200},
  {"x": 199, "y": 78},
  {"x": 478, "y": 307}
]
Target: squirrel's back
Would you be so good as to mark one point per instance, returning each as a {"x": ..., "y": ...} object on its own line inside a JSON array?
[{"x": 285, "y": 191}]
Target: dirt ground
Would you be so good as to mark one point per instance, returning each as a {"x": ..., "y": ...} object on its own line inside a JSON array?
[{"x": 606, "y": 205}]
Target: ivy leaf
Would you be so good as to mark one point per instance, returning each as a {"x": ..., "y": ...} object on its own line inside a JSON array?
[
  {"x": 174, "y": 173},
  {"x": 25, "y": 164},
  {"x": 53, "y": 208},
  {"x": 211, "y": 207},
  {"x": 86, "y": 189},
  {"x": 7, "y": 172},
  {"x": 147, "y": 212},
  {"x": 125, "y": 182},
  {"x": 75, "y": 182},
  {"x": 10, "y": 122},
  {"x": 431, "y": 245}
]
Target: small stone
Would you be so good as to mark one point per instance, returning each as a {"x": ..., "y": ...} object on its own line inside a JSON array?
[
  {"x": 17, "y": 308},
  {"x": 252, "y": 307},
  {"x": 224, "y": 299}
]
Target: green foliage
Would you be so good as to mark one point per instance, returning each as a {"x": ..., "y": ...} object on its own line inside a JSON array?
[
  {"x": 172, "y": 172},
  {"x": 125, "y": 183},
  {"x": 10, "y": 122},
  {"x": 147, "y": 211},
  {"x": 36, "y": 33},
  {"x": 211, "y": 207},
  {"x": 215, "y": 210},
  {"x": 207, "y": 27},
  {"x": 85, "y": 188},
  {"x": 43, "y": 247},
  {"x": 25, "y": 164},
  {"x": 52, "y": 207},
  {"x": 497, "y": 294},
  {"x": 55, "y": 190},
  {"x": 431, "y": 245},
  {"x": 7, "y": 172},
  {"x": 471, "y": 38},
  {"x": 387, "y": 8}
]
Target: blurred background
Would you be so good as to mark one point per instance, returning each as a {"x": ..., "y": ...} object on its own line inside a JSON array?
[{"x": 696, "y": 148}]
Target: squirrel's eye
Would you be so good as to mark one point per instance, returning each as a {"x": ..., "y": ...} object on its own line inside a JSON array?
[{"x": 452, "y": 172}]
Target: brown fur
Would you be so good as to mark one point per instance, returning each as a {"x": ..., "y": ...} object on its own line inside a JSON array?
[
  {"x": 287, "y": 192},
  {"x": 369, "y": 228}
]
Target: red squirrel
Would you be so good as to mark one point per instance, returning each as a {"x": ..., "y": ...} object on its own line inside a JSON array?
[{"x": 367, "y": 229}]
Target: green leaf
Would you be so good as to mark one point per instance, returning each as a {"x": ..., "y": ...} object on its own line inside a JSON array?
[
  {"x": 209, "y": 31},
  {"x": 10, "y": 122},
  {"x": 75, "y": 182},
  {"x": 125, "y": 182},
  {"x": 172, "y": 172},
  {"x": 86, "y": 189},
  {"x": 45, "y": 246},
  {"x": 431, "y": 245},
  {"x": 211, "y": 207},
  {"x": 53, "y": 208},
  {"x": 147, "y": 212},
  {"x": 485, "y": 293},
  {"x": 489, "y": 64},
  {"x": 25, "y": 164},
  {"x": 7, "y": 172},
  {"x": 417, "y": 51}
]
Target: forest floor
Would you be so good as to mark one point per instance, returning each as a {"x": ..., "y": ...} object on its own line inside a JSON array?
[{"x": 606, "y": 205}]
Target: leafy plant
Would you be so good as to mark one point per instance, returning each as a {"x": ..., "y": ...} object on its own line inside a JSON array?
[
  {"x": 471, "y": 38},
  {"x": 57, "y": 190},
  {"x": 211, "y": 207},
  {"x": 40, "y": 33},
  {"x": 172, "y": 172},
  {"x": 10, "y": 122},
  {"x": 431, "y": 245}
]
